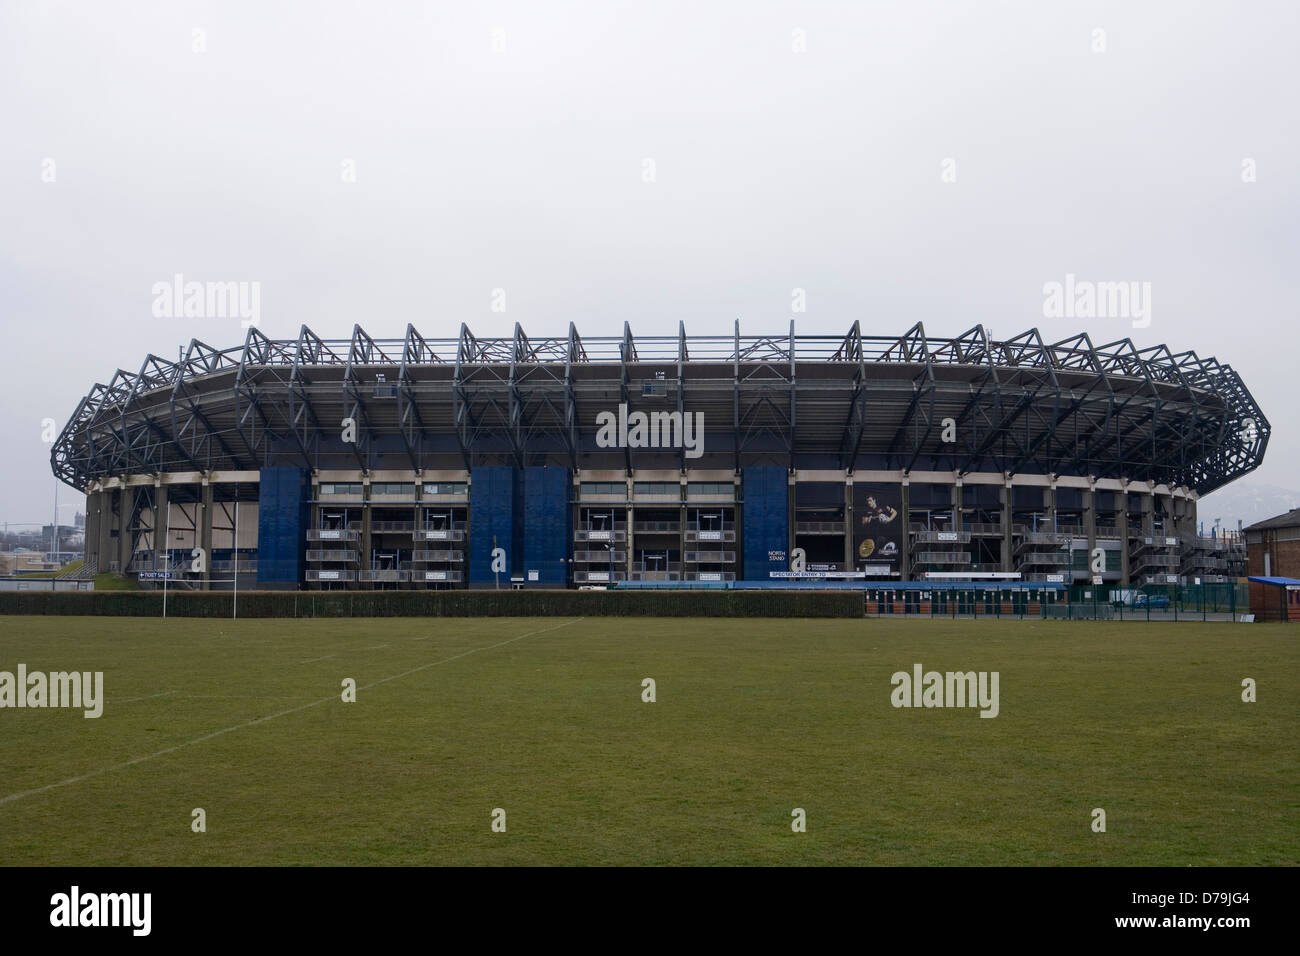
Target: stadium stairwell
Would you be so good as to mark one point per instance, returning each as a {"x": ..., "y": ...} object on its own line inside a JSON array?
[
  {"x": 766, "y": 520},
  {"x": 525, "y": 511},
  {"x": 547, "y": 528},
  {"x": 282, "y": 518},
  {"x": 491, "y": 520}
]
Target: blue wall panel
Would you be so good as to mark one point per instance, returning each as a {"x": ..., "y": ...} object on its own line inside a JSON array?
[
  {"x": 766, "y": 520},
  {"x": 546, "y": 529},
  {"x": 282, "y": 515},
  {"x": 493, "y": 492}
]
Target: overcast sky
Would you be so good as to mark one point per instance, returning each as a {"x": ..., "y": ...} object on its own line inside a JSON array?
[{"x": 386, "y": 163}]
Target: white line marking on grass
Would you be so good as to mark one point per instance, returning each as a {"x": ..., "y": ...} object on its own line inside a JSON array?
[
  {"x": 132, "y": 700},
  {"x": 244, "y": 697},
  {"x": 261, "y": 720},
  {"x": 375, "y": 648},
  {"x": 312, "y": 660},
  {"x": 456, "y": 657}
]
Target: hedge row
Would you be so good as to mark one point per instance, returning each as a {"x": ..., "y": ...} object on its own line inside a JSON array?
[{"x": 441, "y": 603}]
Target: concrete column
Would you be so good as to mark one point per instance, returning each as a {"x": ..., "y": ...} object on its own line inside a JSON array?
[
  {"x": 92, "y": 526},
  {"x": 849, "y": 557},
  {"x": 1090, "y": 525},
  {"x": 681, "y": 534},
  {"x": 628, "y": 494},
  {"x": 205, "y": 531},
  {"x": 1124, "y": 569},
  {"x": 365, "y": 533},
  {"x": 91, "y": 537},
  {"x": 415, "y": 523},
  {"x": 104, "y": 528},
  {"x": 1049, "y": 510},
  {"x": 627, "y": 558},
  {"x": 1182, "y": 525},
  {"x": 956, "y": 506},
  {"x": 1006, "y": 528},
  {"x": 739, "y": 512},
  {"x": 1148, "y": 517},
  {"x": 126, "y": 496},
  {"x": 905, "y": 542},
  {"x": 162, "y": 527},
  {"x": 313, "y": 521}
]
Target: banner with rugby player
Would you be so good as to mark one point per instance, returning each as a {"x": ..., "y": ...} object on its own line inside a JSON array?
[{"x": 879, "y": 526}]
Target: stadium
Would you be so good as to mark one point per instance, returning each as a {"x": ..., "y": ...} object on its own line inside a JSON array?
[{"x": 667, "y": 461}]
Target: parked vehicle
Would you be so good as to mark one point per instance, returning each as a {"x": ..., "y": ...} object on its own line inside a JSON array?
[
  {"x": 1151, "y": 600},
  {"x": 1123, "y": 597}
]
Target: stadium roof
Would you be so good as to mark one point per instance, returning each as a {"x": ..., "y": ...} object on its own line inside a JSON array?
[{"x": 1020, "y": 405}]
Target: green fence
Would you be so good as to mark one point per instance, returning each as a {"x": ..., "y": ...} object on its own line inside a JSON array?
[
  {"x": 1160, "y": 602},
  {"x": 768, "y": 603}
]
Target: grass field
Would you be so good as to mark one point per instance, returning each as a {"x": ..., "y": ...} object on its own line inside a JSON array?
[{"x": 544, "y": 719}]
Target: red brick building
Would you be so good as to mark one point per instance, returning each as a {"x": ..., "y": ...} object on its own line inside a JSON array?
[{"x": 1273, "y": 546}]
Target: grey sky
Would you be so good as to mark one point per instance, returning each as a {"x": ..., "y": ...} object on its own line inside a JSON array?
[{"x": 523, "y": 170}]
